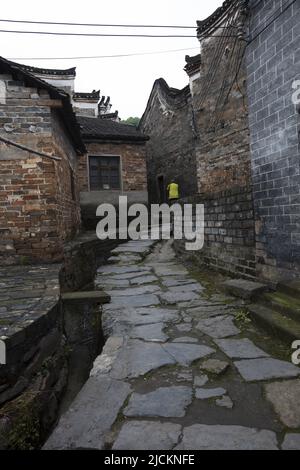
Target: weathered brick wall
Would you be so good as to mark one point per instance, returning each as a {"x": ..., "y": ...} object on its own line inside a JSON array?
[
  {"x": 229, "y": 233},
  {"x": 33, "y": 190},
  {"x": 133, "y": 164},
  {"x": 223, "y": 155},
  {"x": 168, "y": 121},
  {"x": 68, "y": 206},
  {"x": 220, "y": 104},
  {"x": 273, "y": 63}
]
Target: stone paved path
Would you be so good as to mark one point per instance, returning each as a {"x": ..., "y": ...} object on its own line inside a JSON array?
[{"x": 178, "y": 371}]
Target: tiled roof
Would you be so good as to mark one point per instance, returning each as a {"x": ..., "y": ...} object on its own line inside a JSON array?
[
  {"x": 106, "y": 129},
  {"x": 94, "y": 95},
  {"x": 208, "y": 23},
  {"x": 174, "y": 97},
  {"x": 109, "y": 115},
  {"x": 66, "y": 112},
  {"x": 42, "y": 71},
  {"x": 192, "y": 64}
]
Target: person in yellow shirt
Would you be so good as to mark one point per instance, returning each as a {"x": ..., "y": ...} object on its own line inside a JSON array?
[{"x": 173, "y": 191}]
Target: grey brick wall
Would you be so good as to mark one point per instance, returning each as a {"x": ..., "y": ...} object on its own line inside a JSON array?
[
  {"x": 229, "y": 233},
  {"x": 273, "y": 64}
]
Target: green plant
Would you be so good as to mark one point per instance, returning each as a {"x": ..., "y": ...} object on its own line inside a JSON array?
[{"x": 242, "y": 316}]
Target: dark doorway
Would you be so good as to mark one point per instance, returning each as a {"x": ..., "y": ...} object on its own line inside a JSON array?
[{"x": 161, "y": 189}]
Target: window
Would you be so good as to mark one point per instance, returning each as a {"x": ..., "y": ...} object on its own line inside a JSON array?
[{"x": 104, "y": 173}]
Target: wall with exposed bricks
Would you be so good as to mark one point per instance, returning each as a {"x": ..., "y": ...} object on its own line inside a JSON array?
[
  {"x": 133, "y": 164},
  {"x": 37, "y": 209},
  {"x": 273, "y": 64}
]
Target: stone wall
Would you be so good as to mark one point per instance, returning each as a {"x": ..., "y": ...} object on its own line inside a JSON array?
[
  {"x": 49, "y": 340},
  {"x": 38, "y": 210},
  {"x": 229, "y": 233},
  {"x": 168, "y": 120},
  {"x": 273, "y": 64},
  {"x": 222, "y": 153}
]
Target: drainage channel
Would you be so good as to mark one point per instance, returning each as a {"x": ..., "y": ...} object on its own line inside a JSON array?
[{"x": 83, "y": 330}]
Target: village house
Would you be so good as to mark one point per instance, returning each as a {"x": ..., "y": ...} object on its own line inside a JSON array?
[
  {"x": 39, "y": 198},
  {"x": 115, "y": 164},
  {"x": 237, "y": 129},
  {"x": 115, "y": 161}
]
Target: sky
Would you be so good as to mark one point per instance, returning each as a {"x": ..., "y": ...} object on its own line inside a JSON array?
[{"x": 127, "y": 80}]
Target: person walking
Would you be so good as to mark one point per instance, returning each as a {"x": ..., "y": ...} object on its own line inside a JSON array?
[
  {"x": 173, "y": 196},
  {"x": 173, "y": 192}
]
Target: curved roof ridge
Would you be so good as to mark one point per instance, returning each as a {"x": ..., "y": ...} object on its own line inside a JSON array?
[
  {"x": 44, "y": 71},
  {"x": 217, "y": 15},
  {"x": 172, "y": 93}
]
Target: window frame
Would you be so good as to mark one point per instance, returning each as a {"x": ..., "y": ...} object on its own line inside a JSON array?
[{"x": 105, "y": 155}]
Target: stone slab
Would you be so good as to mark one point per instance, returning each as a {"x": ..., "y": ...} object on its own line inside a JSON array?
[
  {"x": 205, "y": 437},
  {"x": 169, "y": 270},
  {"x": 244, "y": 289},
  {"x": 240, "y": 349},
  {"x": 200, "y": 380},
  {"x": 131, "y": 249},
  {"x": 116, "y": 269},
  {"x": 116, "y": 319},
  {"x": 88, "y": 297},
  {"x": 128, "y": 276},
  {"x": 218, "y": 327},
  {"x": 184, "y": 327},
  {"x": 207, "y": 311},
  {"x": 285, "y": 398},
  {"x": 138, "y": 281},
  {"x": 225, "y": 402},
  {"x": 147, "y": 435},
  {"x": 175, "y": 297},
  {"x": 138, "y": 358},
  {"x": 206, "y": 393},
  {"x": 167, "y": 402},
  {"x": 176, "y": 281},
  {"x": 130, "y": 291},
  {"x": 214, "y": 366},
  {"x": 186, "y": 354},
  {"x": 253, "y": 370},
  {"x": 146, "y": 300},
  {"x": 186, "y": 288},
  {"x": 185, "y": 339},
  {"x": 291, "y": 442},
  {"x": 87, "y": 421},
  {"x": 152, "y": 332},
  {"x": 111, "y": 284}
]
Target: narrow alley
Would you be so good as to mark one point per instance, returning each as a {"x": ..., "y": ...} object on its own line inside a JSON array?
[{"x": 183, "y": 366}]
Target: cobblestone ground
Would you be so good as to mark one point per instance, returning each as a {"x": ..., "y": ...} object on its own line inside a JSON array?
[{"x": 179, "y": 371}]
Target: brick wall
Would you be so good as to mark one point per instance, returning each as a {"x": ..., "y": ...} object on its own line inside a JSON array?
[
  {"x": 223, "y": 155},
  {"x": 229, "y": 233},
  {"x": 133, "y": 164},
  {"x": 168, "y": 120},
  {"x": 273, "y": 63},
  {"x": 37, "y": 212}
]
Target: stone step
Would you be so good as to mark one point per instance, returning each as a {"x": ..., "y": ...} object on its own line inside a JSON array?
[
  {"x": 275, "y": 322},
  {"x": 95, "y": 296},
  {"x": 247, "y": 290},
  {"x": 290, "y": 288},
  {"x": 283, "y": 303}
]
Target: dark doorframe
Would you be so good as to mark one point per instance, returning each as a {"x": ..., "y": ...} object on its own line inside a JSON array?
[{"x": 161, "y": 188}]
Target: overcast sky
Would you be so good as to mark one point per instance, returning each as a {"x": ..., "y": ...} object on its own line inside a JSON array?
[{"x": 127, "y": 80}]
